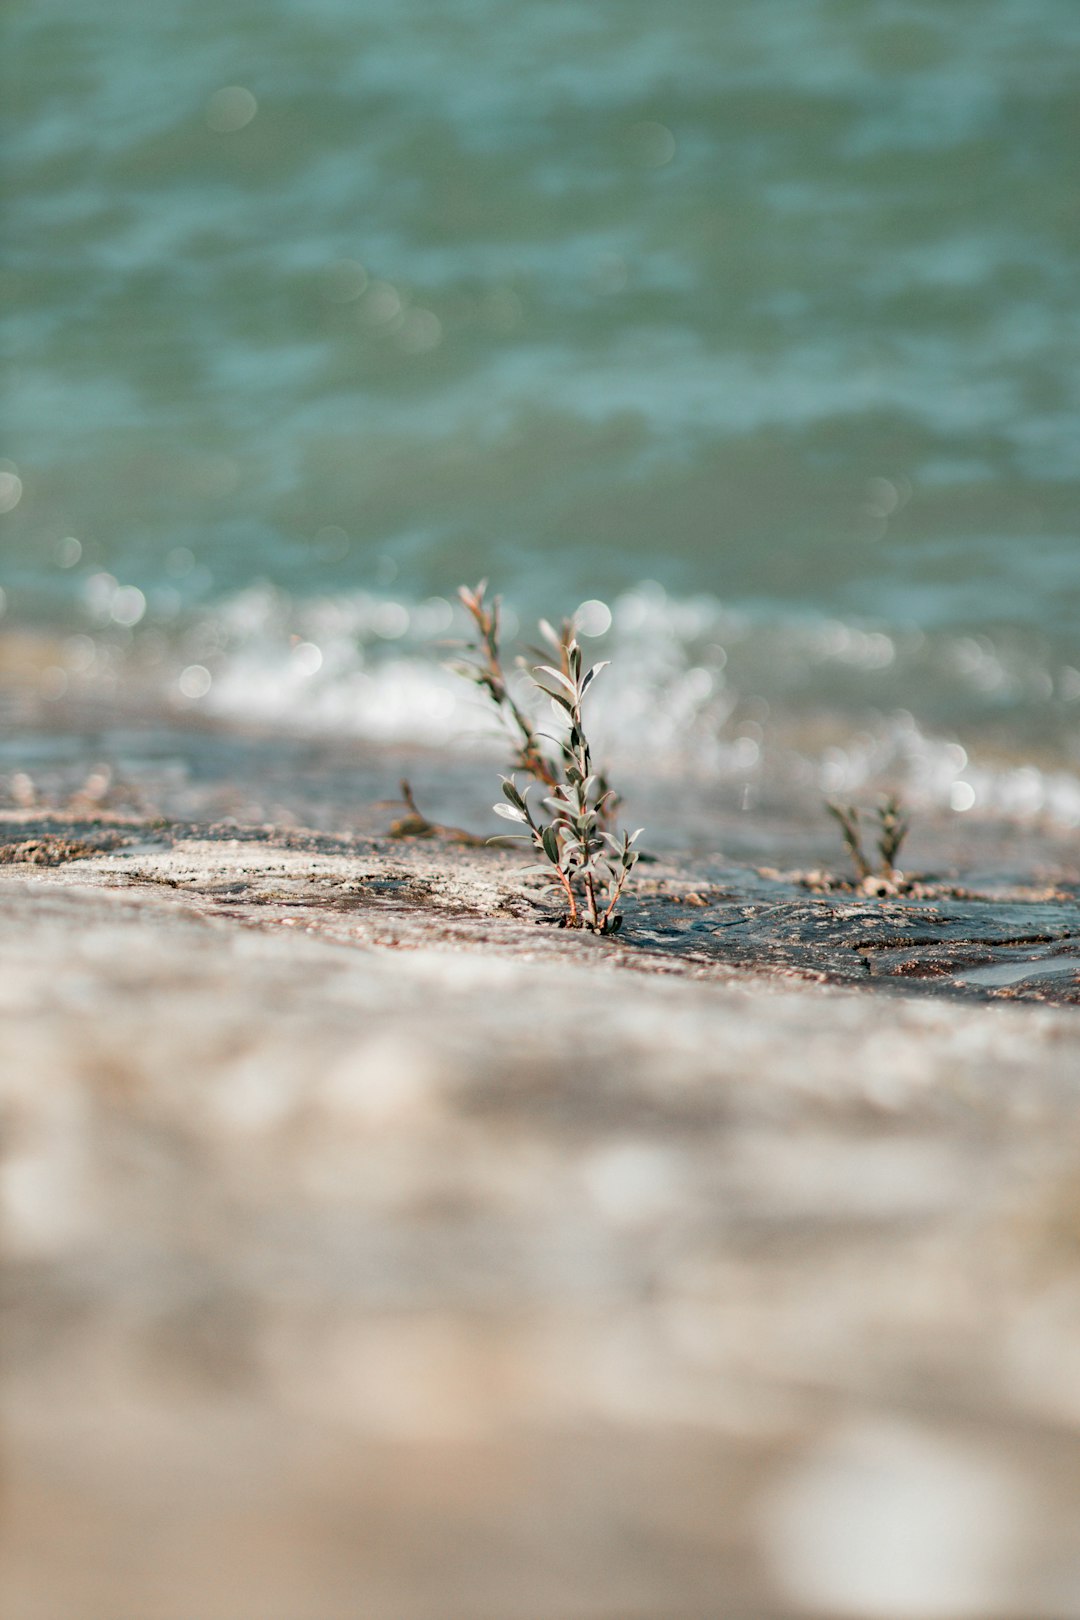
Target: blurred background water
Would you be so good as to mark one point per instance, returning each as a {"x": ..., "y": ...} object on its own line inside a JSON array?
[{"x": 752, "y": 324}]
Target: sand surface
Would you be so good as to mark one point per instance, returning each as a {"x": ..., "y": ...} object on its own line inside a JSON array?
[{"x": 375, "y": 1249}]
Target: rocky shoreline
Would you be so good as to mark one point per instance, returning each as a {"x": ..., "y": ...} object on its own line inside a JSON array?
[
  {"x": 428, "y": 885},
  {"x": 374, "y": 1245}
]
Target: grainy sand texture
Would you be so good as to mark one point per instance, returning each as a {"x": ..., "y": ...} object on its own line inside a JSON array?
[{"x": 375, "y": 1249}]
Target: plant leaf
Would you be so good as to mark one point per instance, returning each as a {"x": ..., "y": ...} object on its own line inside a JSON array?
[
  {"x": 558, "y": 702},
  {"x": 557, "y": 675}
]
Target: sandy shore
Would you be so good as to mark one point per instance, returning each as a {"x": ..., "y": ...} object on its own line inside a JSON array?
[{"x": 374, "y": 1249}]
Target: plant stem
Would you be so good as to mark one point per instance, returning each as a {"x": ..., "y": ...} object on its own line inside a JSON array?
[
  {"x": 571, "y": 901},
  {"x": 583, "y": 762},
  {"x": 616, "y": 891}
]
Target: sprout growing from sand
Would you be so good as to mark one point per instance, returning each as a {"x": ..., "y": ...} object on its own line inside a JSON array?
[
  {"x": 579, "y": 853},
  {"x": 538, "y": 755},
  {"x": 892, "y": 829}
]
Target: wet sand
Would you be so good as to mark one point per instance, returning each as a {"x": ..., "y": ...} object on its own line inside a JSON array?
[{"x": 375, "y": 1247}]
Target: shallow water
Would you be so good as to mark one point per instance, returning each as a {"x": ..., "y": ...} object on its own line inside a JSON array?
[
  {"x": 1001, "y": 973},
  {"x": 756, "y": 323}
]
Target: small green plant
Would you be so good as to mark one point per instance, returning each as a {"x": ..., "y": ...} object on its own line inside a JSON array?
[
  {"x": 579, "y": 853},
  {"x": 534, "y": 753},
  {"x": 892, "y": 829}
]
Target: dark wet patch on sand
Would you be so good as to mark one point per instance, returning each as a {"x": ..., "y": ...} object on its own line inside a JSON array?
[{"x": 686, "y": 917}]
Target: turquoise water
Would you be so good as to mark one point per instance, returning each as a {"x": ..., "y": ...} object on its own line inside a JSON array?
[{"x": 773, "y": 303}]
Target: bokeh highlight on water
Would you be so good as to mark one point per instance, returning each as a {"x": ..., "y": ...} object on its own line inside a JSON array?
[{"x": 756, "y": 323}]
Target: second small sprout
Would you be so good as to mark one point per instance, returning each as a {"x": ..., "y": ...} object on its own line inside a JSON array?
[{"x": 893, "y": 828}]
